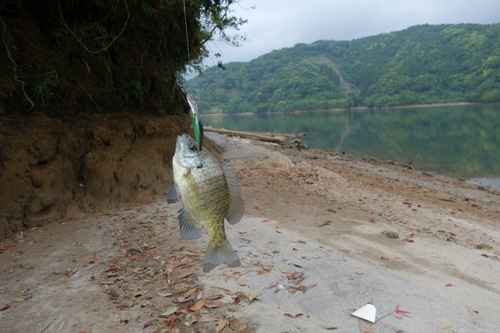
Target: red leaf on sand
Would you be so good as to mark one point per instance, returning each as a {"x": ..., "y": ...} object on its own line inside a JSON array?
[
  {"x": 4, "y": 248},
  {"x": 136, "y": 257},
  {"x": 384, "y": 258},
  {"x": 412, "y": 234},
  {"x": 256, "y": 207},
  {"x": 147, "y": 324},
  {"x": 411, "y": 241},
  {"x": 449, "y": 285},
  {"x": 266, "y": 220},
  {"x": 114, "y": 260}
]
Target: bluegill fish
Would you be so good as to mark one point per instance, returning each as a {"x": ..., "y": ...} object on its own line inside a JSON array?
[{"x": 209, "y": 192}]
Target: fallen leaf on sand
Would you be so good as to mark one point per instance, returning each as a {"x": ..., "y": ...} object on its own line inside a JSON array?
[
  {"x": 211, "y": 305},
  {"x": 293, "y": 316},
  {"x": 221, "y": 325},
  {"x": 241, "y": 283},
  {"x": 251, "y": 297},
  {"x": 365, "y": 329},
  {"x": 4, "y": 248},
  {"x": 136, "y": 257},
  {"x": 183, "y": 275},
  {"x": 96, "y": 256},
  {"x": 449, "y": 285},
  {"x": 384, "y": 258},
  {"x": 328, "y": 327},
  {"x": 147, "y": 324},
  {"x": 170, "y": 310},
  {"x": 207, "y": 319},
  {"x": 214, "y": 297},
  {"x": 5, "y": 307},
  {"x": 198, "y": 305},
  {"x": 189, "y": 293}
]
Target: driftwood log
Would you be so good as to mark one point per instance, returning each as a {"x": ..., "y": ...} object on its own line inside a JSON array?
[{"x": 247, "y": 135}]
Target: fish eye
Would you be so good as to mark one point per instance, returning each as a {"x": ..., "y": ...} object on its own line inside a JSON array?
[{"x": 192, "y": 147}]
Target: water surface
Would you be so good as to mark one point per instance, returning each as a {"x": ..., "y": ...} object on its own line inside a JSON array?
[{"x": 457, "y": 141}]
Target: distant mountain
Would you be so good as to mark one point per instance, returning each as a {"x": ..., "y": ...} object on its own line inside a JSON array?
[{"x": 423, "y": 64}]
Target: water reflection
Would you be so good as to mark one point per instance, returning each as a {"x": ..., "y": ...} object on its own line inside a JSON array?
[{"x": 459, "y": 141}]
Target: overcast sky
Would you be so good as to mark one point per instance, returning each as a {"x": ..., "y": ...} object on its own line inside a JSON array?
[{"x": 275, "y": 24}]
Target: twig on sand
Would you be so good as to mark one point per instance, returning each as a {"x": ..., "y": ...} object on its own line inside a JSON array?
[{"x": 48, "y": 325}]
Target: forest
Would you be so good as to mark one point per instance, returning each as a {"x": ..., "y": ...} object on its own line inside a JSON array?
[{"x": 424, "y": 64}]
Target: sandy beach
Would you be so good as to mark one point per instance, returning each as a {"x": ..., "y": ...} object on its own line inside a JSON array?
[{"x": 323, "y": 235}]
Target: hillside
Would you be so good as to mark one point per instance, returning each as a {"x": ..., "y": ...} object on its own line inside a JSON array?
[{"x": 423, "y": 64}]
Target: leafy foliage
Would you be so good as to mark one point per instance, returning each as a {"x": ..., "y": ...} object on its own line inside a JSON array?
[
  {"x": 423, "y": 64},
  {"x": 105, "y": 55}
]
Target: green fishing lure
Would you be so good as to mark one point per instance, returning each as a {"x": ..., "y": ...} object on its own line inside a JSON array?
[{"x": 196, "y": 123}]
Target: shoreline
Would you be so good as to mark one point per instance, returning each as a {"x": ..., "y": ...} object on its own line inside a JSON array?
[{"x": 361, "y": 108}]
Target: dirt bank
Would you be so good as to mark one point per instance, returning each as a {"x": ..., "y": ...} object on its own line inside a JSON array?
[
  {"x": 323, "y": 234},
  {"x": 52, "y": 168}
]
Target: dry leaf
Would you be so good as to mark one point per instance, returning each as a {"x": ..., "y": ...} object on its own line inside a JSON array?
[
  {"x": 328, "y": 327},
  {"x": 96, "y": 256},
  {"x": 5, "y": 307},
  {"x": 251, "y": 297},
  {"x": 198, "y": 305},
  {"x": 190, "y": 292},
  {"x": 221, "y": 325},
  {"x": 241, "y": 283},
  {"x": 147, "y": 324},
  {"x": 214, "y": 297},
  {"x": 136, "y": 257},
  {"x": 165, "y": 294},
  {"x": 207, "y": 319},
  {"x": 365, "y": 329},
  {"x": 232, "y": 325},
  {"x": 85, "y": 331},
  {"x": 384, "y": 258},
  {"x": 312, "y": 285},
  {"x": 183, "y": 275},
  {"x": 262, "y": 251},
  {"x": 211, "y": 305},
  {"x": 308, "y": 314}
]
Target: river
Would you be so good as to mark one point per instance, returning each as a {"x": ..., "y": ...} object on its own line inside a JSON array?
[{"x": 456, "y": 141}]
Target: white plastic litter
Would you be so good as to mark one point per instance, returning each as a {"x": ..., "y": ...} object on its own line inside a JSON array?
[{"x": 367, "y": 312}]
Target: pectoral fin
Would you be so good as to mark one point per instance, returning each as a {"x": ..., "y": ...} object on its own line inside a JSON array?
[
  {"x": 189, "y": 228},
  {"x": 236, "y": 206},
  {"x": 173, "y": 194}
]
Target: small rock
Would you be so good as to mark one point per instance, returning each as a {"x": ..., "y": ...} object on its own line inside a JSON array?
[{"x": 392, "y": 234}]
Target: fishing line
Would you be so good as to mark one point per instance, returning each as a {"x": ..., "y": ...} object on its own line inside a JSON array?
[
  {"x": 186, "y": 28},
  {"x": 196, "y": 124}
]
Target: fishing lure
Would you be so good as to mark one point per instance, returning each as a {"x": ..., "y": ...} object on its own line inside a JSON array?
[{"x": 196, "y": 123}]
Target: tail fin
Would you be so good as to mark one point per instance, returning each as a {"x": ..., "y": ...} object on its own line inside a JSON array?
[{"x": 220, "y": 254}]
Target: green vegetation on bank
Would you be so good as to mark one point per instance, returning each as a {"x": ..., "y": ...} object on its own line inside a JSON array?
[
  {"x": 70, "y": 56},
  {"x": 424, "y": 64}
]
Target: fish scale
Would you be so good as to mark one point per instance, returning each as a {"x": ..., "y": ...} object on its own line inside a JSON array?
[{"x": 209, "y": 192}]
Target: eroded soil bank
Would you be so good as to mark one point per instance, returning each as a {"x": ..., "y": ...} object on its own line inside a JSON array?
[{"x": 52, "y": 168}]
